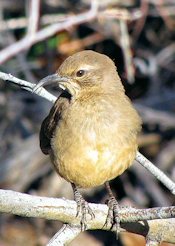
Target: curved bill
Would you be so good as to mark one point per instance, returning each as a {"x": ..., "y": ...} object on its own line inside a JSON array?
[{"x": 51, "y": 79}]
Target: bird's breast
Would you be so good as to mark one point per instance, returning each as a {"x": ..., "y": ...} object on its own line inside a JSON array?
[{"x": 90, "y": 147}]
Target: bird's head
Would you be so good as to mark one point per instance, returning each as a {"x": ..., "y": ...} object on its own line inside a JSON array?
[{"x": 85, "y": 70}]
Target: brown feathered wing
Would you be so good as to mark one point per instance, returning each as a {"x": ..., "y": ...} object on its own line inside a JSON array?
[{"x": 50, "y": 123}]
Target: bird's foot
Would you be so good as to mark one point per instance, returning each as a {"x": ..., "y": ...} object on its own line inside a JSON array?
[
  {"x": 82, "y": 208},
  {"x": 113, "y": 218}
]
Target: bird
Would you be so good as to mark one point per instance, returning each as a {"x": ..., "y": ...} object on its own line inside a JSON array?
[{"x": 91, "y": 132}]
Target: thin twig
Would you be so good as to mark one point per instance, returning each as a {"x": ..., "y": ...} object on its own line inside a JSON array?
[
  {"x": 154, "y": 116},
  {"x": 28, "y": 86},
  {"x": 138, "y": 26},
  {"x": 120, "y": 14},
  {"x": 22, "y": 22},
  {"x": 156, "y": 172},
  {"x": 64, "y": 236},
  {"x": 46, "y": 32},
  {"x": 33, "y": 19},
  {"x": 21, "y": 59},
  {"x": 47, "y": 19},
  {"x": 125, "y": 44}
]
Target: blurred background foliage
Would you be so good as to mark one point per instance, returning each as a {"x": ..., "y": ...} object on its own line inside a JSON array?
[{"x": 139, "y": 36}]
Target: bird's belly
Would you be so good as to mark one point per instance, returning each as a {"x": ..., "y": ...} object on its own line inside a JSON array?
[{"x": 87, "y": 164}]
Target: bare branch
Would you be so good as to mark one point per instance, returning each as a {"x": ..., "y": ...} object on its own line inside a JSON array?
[
  {"x": 28, "y": 86},
  {"x": 117, "y": 13},
  {"x": 64, "y": 210},
  {"x": 126, "y": 47},
  {"x": 64, "y": 236},
  {"x": 46, "y": 32},
  {"x": 33, "y": 16},
  {"x": 156, "y": 172},
  {"x": 165, "y": 119}
]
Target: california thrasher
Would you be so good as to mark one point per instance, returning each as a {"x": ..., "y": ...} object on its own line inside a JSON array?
[{"x": 91, "y": 131}]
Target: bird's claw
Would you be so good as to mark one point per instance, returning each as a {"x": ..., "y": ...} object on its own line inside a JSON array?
[
  {"x": 83, "y": 209},
  {"x": 113, "y": 218}
]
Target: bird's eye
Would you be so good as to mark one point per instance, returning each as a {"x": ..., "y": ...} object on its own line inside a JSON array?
[{"x": 80, "y": 73}]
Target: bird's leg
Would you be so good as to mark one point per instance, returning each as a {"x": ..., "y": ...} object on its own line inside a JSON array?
[
  {"x": 82, "y": 207},
  {"x": 113, "y": 216}
]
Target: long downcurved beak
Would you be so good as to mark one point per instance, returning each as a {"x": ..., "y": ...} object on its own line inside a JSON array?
[{"x": 51, "y": 79}]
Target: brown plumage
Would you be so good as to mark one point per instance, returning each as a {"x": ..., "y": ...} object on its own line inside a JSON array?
[{"x": 91, "y": 135}]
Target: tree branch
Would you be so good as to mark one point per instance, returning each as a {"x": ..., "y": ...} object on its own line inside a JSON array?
[
  {"x": 28, "y": 86},
  {"x": 156, "y": 172},
  {"x": 64, "y": 210},
  {"x": 64, "y": 236},
  {"x": 47, "y": 32},
  {"x": 33, "y": 20}
]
